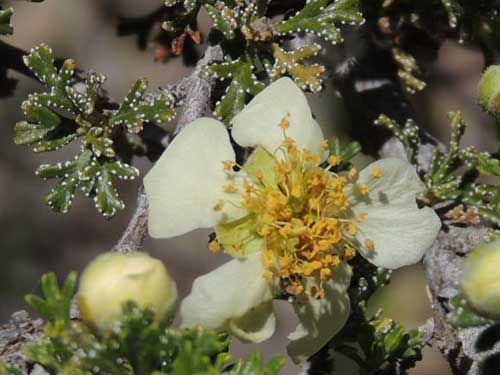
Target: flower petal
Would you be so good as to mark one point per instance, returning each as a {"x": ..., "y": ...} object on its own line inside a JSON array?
[
  {"x": 186, "y": 182},
  {"x": 255, "y": 326},
  {"x": 314, "y": 143},
  {"x": 258, "y": 123},
  {"x": 401, "y": 232},
  {"x": 233, "y": 297},
  {"x": 320, "y": 320}
]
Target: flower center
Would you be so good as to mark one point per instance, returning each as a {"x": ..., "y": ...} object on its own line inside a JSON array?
[{"x": 300, "y": 211}]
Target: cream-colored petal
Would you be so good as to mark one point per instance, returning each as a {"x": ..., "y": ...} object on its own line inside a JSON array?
[
  {"x": 258, "y": 123},
  {"x": 187, "y": 181},
  {"x": 314, "y": 143},
  {"x": 401, "y": 232},
  {"x": 234, "y": 297},
  {"x": 320, "y": 320},
  {"x": 255, "y": 326}
]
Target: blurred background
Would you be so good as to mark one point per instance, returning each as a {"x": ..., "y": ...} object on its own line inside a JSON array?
[{"x": 34, "y": 240}]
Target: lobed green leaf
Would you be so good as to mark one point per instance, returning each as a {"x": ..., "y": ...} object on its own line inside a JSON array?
[
  {"x": 5, "y": 24},
  {"x": 319, "y": 17}
]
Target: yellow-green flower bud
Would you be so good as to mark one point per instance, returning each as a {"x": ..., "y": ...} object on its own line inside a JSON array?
[
  {"x": 481, "y": 279},
  {"x": 112, "y": 279},
  {"x": 488, "y": 90}
]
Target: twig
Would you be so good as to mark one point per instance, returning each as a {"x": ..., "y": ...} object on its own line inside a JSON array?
[
  {"x": 195, "y": 91},
  {"x": 443, "y": 265},
  {"x": 133, "y": 236}
]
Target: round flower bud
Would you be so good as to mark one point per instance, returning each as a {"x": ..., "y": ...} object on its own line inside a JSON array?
[
  {"x": 112, "y": 279},
  {"x": 488, "y": 90},
  {"x": 481, "y": 279}
]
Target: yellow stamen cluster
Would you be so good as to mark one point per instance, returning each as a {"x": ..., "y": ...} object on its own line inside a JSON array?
[
  {"x": 285, "y": 123},
  {"x": 303, "y": 217},
  {"x": 369, "y": 244},
  {"x": 334, "y": 160},
  {"x": 230, "y": 187},
  {"x": 376, "y": 172},
  {"x": 361, "y": 189},
  {"x": 214, "y": 246},
  {"x": 219, "y": 205},
  {"x": 228, "y": 165}
]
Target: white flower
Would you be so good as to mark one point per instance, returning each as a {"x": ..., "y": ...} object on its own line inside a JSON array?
[{"x": 291, "y": 224}]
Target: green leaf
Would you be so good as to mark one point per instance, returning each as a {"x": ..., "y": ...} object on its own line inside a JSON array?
[
  {"x": 189, "y": 5},
  {"x": 122, "y": 170},
  {"x": 45, "y": 130},
  {"x": 306, "y": 76},
  {"x": 454, "y": 10},
  {"x": 26, "y": 133},
  {"x": 134, "y": 112},
  {"x": 54, "y": 144},
  {"x": 56, "y": 302},
  {"x": 408, "y": 69},
  {"x": 50, "y": 353},
  {"x": 59, "y": 170},
  {"x": 85, "y": 102},
  {"x": 254, "y": 365},
  {"x": 42, "y": 121},
  {"x": 389, "y": 343},
  {"x": 445, "y": 182},
  {"x": 107, "y": 201},
  {"x": 394, "y": 340},
  {"x": 275, "y": 365},
  {"x": 347, "y": 153},
  {"x": 43, "y": 116},
  {"x": 41, "y": 62},
  {"x": 462, "y": 316},
  {"x": 485, "y": 199},
  {"x": 60, "y": 197},
  {"x": 49, "y": 127},
  {"x": 319, "y": 17},
  {"x": 5, "y": 25},
  {"x": 243, "y": 83},
  {"x": 224, "y": 20},
  {"x": 350, "y": 151},
  {"x": 9, "y": 370},
  {"x": 483, "y": 162},
  {"x": 408, "y": 135},
  {"x": 100, "y": 144}
]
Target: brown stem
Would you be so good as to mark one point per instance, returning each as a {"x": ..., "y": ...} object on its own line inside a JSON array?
[{"x": 135, "y": 233}]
